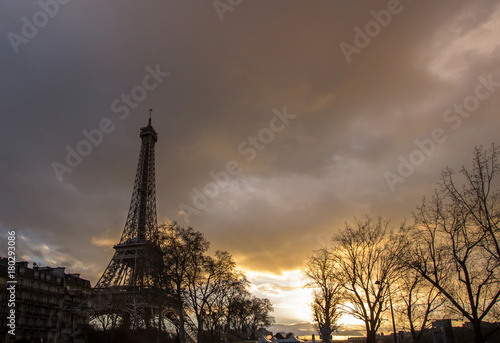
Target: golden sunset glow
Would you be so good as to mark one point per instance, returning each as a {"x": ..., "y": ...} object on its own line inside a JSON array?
[{"x": 277, "y": 122}]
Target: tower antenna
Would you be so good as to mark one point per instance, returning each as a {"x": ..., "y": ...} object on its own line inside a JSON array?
[{"x": 130, "y": 286}]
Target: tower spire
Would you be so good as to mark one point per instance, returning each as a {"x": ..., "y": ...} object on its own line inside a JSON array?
[
  {"x": 139, "y": 239},
  {"x": 130, "y": 283}
]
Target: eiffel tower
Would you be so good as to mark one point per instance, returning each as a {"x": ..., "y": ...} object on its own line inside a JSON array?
[{"x": 129, "y": 285}]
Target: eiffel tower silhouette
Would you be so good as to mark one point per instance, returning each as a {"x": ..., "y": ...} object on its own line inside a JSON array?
[{"x": 129, "y": 285}]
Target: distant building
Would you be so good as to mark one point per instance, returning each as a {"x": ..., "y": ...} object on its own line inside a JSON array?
[
  {"x": 442, "y": 331},
  {"x": 50, "y": 305}
]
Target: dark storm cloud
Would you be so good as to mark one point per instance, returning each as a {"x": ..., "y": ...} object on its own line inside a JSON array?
[{"x": 352, "y": 120}]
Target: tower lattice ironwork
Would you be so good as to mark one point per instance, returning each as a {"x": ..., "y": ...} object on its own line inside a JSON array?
[
  {"x": 129, "y": 285},
  {"x": 134, "y": 263}
]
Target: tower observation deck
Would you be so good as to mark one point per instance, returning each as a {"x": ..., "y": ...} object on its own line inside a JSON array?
[{"x": 130, "y": 286}]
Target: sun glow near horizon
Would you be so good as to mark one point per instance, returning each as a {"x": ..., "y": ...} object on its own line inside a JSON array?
[
  {"x": 287, "y": 291},
  {"x": 291, "y": 298}
]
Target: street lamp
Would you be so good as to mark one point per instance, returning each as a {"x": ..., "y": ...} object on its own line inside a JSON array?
[
  {"x": 379, "y": 283},
  {"x": 72, "y": 294}
]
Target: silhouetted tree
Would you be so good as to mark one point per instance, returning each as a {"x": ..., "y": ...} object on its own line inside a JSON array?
[
  {"x": 183, "y": 251},
  {"x": 456, "y": 243},
  {"x": 367, "y": 261},
  {"x": 209, "y": 281},
  {"x": 327, "y": 291},
  {"x": 104, "y": 321},
  {"x": 220, "y": 316},
  {"x": 419, "y": 301},
  {"x": 477, "y": 199},
  {"x": 247, "y": 313}
]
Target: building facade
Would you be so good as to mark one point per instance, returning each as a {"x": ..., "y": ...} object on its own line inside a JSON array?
[{"x": 50, "y": 305}]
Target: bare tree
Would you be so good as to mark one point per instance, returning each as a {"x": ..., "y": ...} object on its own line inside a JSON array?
[
  {"x": 209, "y": 286},
  {"x": 367, "y": 261},
  {"x": 248, "y": 313},
  {"x": 105, "y": 320},
  {"x": 259, "y": 315},
  {"x": 477, "y": 197},
  {"x": 183, "y": 251},
  {"x": 456, "y": 240},
  {"x": 327, "y": 291},
  {"x": 209, "y": 281},
  {"x": 420, "y": 300},
  {"x": 219, "y": 317}
]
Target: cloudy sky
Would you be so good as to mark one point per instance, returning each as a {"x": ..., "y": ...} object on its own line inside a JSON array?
[{"x": 277, "y": 121}]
